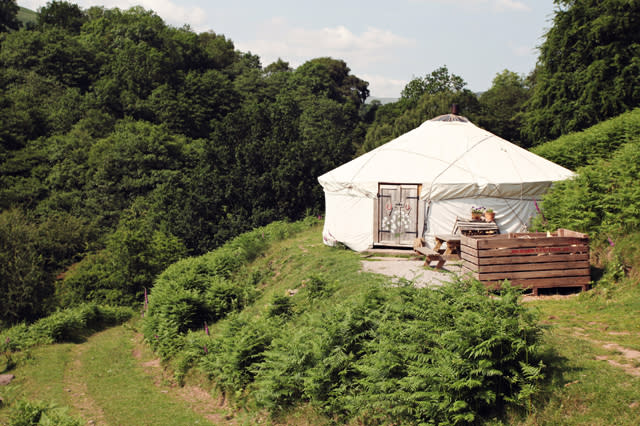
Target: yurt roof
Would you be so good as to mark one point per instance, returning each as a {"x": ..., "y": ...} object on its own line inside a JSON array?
[{"x": 451, "y": 158}]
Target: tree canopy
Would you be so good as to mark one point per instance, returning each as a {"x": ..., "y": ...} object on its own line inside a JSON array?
[
  {"x": 503, "y": 106},
  {"x": 159, "y": 141},
  {"x": 588, "y": 69},
  {"x": 9, "y": 15}
]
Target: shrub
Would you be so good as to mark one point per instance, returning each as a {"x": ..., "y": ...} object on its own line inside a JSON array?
[
  {"x": 406, "y": 355},
  {"x": 207, "y": 288},
  {"x": 603, "y": 200},
  {"x": 317, "y": 287},
  {"x": 66, "y": 325},
  {"x": 280, "y": 306},
  {"x": 233, "y": 358},
  {"x": 26, "y": 413},
  {"x": 597, "y": 142}
]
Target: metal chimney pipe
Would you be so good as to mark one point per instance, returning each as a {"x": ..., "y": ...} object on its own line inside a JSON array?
[{"x": 454, "y": 109}]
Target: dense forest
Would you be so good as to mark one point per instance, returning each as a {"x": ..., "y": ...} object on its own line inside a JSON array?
[{"x": 127, "y": 144}]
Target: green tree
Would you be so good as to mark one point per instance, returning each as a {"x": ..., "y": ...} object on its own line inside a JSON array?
[
  {"x": 437, "y": 81},
  {"x": 61, "y": 14},
  {"x": 25, "y": 285},
  {"x": 423, "y": 99},
  {"x": 588, "y": 69},
  {"x": 502, "y": 106},
  {"x": 9, "y": 15},
  {"x": 131, "y": 162},
  {"x": 136, "y": 252}
]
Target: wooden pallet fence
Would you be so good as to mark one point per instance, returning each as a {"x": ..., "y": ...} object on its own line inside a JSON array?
[{"x": 528, "y": 260}]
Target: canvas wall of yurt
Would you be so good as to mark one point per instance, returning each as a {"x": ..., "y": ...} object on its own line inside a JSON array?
[{"x": 418, "y": 184}]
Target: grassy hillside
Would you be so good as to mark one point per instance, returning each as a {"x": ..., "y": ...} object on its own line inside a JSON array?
[
  {"x": 26, "y": 16},
  {"x": 579, "y": 149},
  {"x": 591, "y": 375}
]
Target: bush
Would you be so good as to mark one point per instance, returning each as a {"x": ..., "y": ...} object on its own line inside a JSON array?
[
  {"x": 70, "y": 324},
  {"x": 603, "y": 200},
  {"x": 26, "y": 413},
  {"x": 406, "y": 355},
  {"x": 597, "y": 142},
  {"x": 207, "y": 288},
  {"x": 281, "y": 306},
  {"x": 394, "y": 355},
  {"x": 233, "y": 359},
  {"x": 25, "y": 283},
  {"x": 317, "y": 287}
]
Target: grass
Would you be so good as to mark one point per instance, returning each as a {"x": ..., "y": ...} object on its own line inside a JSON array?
[
  {"x": 290, "y": 263},
  {"x": 586, "y": 332},
  {"x": 39, "y": 375},
  {"x": 99, "y": 380},
  {"x": 109, "y": 367},
  {"x": 27, "y": 16}
]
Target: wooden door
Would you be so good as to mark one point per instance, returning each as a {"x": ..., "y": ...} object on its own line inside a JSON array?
[{"x": 397, "y": 214}]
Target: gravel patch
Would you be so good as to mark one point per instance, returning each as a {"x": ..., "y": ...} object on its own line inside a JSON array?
[{"x": 412, "y": 270}]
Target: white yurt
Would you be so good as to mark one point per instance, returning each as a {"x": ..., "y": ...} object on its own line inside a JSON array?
[{"x": 418, "y": 184}]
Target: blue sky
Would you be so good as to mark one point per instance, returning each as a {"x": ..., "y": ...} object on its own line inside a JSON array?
[{"x": 386, "y": 43}]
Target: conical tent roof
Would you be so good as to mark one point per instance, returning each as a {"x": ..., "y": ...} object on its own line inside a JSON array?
[{"x": 451, "y": 158}]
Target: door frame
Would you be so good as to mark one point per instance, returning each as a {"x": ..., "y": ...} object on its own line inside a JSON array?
[{"x": 376, "y": 214}]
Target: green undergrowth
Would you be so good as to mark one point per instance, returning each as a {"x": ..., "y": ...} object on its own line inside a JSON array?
[
  {"x": 296, "y": 325},
  {"x": 67, "y": 325},
  {"x": 98, "y": 381},
  {"x": 593, "y": 381},
  {"x": 600, "y": 141},
  {"x": 27, "y": 413}
]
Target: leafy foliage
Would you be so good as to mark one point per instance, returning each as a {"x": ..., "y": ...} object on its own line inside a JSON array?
[
  {"x": 65, "y": 325},
  {"x": 30, "y": 256},
  {"x": 597, "y": 142},
  {"x": 588, "y": 69},
  {"x": 399, "y": 354},
  {"x": 205, "y": 289},
  {"x": 9, "y": 16},
  {"x": 393, "y": 120},
  {"x": 437, "y": 81},
  {"x": 27, "y": 413},
  {"x": 602, "y": 200},
  {"x": 163, "y": 142},
  {"x": 446, "y": 356},
  {"x": 503, "y": 105},
  {"x": 61, "y": 14}
]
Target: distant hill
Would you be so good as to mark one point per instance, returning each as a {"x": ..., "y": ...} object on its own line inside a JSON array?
[
  {"x": 382, "y": 100},
  {"x": 26, "y": 16}
]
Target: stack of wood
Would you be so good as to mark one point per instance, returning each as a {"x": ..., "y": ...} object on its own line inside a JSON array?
[
  {"x": 528, "y": 260},
  {"x": 475, "y": 227}
]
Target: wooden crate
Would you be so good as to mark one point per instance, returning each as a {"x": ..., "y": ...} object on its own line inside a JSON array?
[{"x": 528, "y": 260}]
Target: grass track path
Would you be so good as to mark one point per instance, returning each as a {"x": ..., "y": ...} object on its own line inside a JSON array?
[
  {"x": 75, "y": 385},
  {"x": 111, "y": 380}
]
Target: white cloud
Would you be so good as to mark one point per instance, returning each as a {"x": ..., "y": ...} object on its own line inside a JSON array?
[
  {"x": 278, "y": 39},
  {"x": 511, "y": 5},
  {"x": 497, "y": 5},
  {"x": 383, "y": 87},
  {"x": 521, "y": 51}
]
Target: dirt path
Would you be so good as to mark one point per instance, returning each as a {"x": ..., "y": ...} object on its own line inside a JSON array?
[
  {"x": 409, "y": 269},
  {"x": 194, "y": 397},
  {"x": 75, "y": 386}
]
